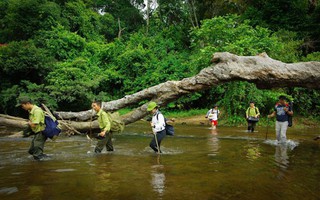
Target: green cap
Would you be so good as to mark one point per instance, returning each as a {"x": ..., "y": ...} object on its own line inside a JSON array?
[
  {"x": 151, "y": 105},
  {"x": 23, "y": 100}
]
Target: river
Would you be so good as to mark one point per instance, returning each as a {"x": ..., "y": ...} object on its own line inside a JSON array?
[{"x": 197, "y": 163}]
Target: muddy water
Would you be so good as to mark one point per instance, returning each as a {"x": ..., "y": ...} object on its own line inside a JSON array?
[{"x": 197, "y": 163}]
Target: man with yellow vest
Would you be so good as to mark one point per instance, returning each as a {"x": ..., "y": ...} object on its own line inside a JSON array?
[
  {"x": 105, "y": 136},
  {"x": 37, "y": 125}
]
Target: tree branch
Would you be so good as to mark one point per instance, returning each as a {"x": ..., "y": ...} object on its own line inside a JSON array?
[{"x": 261, "y": 70}]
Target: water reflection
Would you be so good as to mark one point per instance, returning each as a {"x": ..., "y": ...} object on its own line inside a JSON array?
[
  {"x": 252, "y": 150},
  {"x": 281, "y": 160},
  {"x": 102, "y": 173},
  {"x": 158, "y": 178},
  {"x": 281, "y": 156},
  {"x": 213, "y": 143}
]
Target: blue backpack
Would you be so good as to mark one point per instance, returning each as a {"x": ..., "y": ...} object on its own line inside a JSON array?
[
  {"x": 169, "y": 129},
  {"x": 52, "y": 128}
]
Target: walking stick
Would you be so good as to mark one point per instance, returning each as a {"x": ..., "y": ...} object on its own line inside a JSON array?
[
  {"x": 267, "y": 129},
  {"x": 155, "y": 137},
  {"x": 90, "y": 126}
]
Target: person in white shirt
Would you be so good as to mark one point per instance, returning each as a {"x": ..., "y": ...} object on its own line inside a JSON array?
[
  {"x": 158, "y": 125},
  {"x": 212, "y": 115}
]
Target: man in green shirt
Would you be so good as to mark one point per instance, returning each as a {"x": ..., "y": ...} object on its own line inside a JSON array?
[
  {"x": 105, "y": 136},
  {"x": 37, "y": 125}
]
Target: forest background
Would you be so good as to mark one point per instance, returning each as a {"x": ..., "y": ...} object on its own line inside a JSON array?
[{"x": 66, "y": 53}]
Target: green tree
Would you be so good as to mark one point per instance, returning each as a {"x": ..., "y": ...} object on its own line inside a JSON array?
[
  {"x": 21, "y": 19},
  {"x": 233, "y": 35},
  {"x": 82, "y": 20},
  {"x": 61, "y": 43},
  {"x": 130, "y": 16},
  {"x": 23, "y": 61},
  {"x": 72, "y": 84}
]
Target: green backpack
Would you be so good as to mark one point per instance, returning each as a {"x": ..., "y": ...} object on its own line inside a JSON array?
[{"x": 117, "y": 125}]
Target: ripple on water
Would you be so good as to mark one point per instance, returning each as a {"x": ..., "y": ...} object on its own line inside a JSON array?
[
  {"x": 290, "y": 144},
  {"x": 64, "y": 170},
  {"x": 164, "y": 151},
  {"x": 8, "y": 190}
]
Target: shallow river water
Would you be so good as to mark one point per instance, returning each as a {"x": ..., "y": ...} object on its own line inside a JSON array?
[{"x": 197, "y": 163}]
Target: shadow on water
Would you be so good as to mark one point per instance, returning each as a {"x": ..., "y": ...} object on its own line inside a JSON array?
[{"x": 197, "y": 163}]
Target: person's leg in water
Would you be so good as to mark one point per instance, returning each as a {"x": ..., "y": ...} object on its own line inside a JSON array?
[
  {"x": 253, "y": 126},
  {"x": 153, "y": 144},
  {"x": 102, "y": 141},
  {"x": 37, "y": 146},
  {"x": 283, "y": 132},
  {"x": 278, "y": 129},
  {"x": 214, "y": 124},
  {"x": 109, "y": 144},
  {"x": 249, "y": 125}
]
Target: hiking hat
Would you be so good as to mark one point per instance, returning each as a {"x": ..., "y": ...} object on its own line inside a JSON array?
[
  {"x": 215, "y": 105},
  {"x": 23, "y": 100},
  {"x": 152, "y": 105}
]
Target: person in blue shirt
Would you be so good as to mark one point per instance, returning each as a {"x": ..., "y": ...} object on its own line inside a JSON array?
[{"x": 282, "y": 111}]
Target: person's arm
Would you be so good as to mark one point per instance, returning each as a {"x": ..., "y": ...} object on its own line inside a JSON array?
[
  {"x": 32, "y": 125},
  {"x": 258, "y": 112},
  {"x": 272, "y": 114},
  {"x": 106, "y": 124},
  {"x": 38, "y": 114},
  {"x": 289, "y": 112},
  {"x": 208, "y": 113},
  {"x": 247, "y": 113}
]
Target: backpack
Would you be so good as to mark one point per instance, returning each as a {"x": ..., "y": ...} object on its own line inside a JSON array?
[
  {"x": 253, "y": 119},
  {"x": 117, "y": 125},
  {"x": 169, "y": 128},
  {"x": 52, "y": 127},
  {"x": 210, "y": 116},
  {"x": 255, "y": 109}
]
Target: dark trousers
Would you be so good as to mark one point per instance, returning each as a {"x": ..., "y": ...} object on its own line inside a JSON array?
[
  {"x": 251, "y": 125},
  {"x": 160, "y": 135},
  {"x": 104, "y": 141},
  {"x": 37, "y": 145}
]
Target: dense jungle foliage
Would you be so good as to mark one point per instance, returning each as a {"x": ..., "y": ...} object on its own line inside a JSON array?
[{"x": 67, "y": 53}]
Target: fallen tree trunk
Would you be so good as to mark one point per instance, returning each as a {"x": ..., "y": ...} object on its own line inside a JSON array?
[
  {"x": 261, "y": 70},
  {"x": 16, "y": 122}
]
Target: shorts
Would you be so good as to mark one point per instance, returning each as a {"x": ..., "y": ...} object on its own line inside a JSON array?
[{"x": 214, "y": 122}]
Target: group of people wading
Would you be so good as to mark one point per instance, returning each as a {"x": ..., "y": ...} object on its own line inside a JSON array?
[
  {"x": 36, "y": 127},
  {"x": 282, "y": 111},
  {"x": 158, "y": 123}
]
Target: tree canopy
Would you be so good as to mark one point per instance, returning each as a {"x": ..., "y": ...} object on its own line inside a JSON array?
[{"x": 67, "y": 53}]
